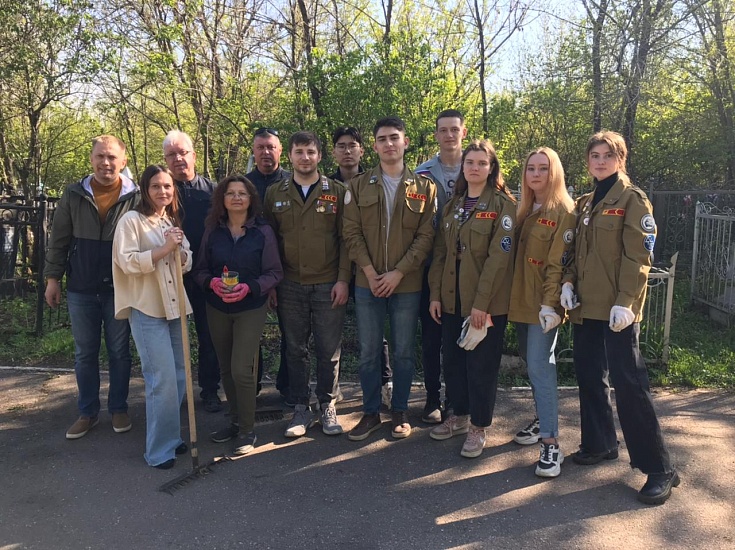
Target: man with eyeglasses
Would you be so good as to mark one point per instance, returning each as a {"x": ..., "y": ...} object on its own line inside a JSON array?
[
  {"x": 306, "y": 212},
  {"x": 443, "y": 170},
  {"x": 267, "y": 150},
  {"x": 195, "y": 192}
]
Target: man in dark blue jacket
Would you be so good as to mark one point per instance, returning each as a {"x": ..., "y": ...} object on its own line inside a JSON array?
[
  {"x": 81, "y": 246},
  {"x": 195, "y": 192}
]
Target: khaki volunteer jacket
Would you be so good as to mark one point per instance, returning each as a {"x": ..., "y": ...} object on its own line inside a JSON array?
[
  {"x": 408, "y": 243},
  {"x": 487, "y": 243},
  {"x": 309, "y": 233},
  {"x": 545, "y": 238},
  {"x": 612, "y": 253}
]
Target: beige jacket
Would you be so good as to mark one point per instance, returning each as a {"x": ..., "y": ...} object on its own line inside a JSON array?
[
  {"x": 544, "y": 242},
  {"x": 487, "y": 244},
  {"x": 139, "y": 283},
  {"x": 612, "y": 253},
  {"x": 411, "y": 227}
]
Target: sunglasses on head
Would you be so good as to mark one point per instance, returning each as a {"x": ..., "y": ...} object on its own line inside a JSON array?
[{"x": 263, "y": 131}]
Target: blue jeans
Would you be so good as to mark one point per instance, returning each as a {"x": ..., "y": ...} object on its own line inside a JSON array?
[
  {"x": 303, "y": 310},
  {"x": 89, "y": 313},
  {"x": 162, "y": 360},
  {"x": 537, "y": 350},
  {"x": 403, "y": 313}
]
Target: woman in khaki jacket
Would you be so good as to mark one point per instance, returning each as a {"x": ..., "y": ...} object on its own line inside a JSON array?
[
  {"x": 616, "y": 233},
  {"x": 545, "y": 229},
  {"x": 469, "y": 282}
]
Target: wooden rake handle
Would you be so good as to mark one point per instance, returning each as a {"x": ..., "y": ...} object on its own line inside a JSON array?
[{"x": 181, "y": 296}]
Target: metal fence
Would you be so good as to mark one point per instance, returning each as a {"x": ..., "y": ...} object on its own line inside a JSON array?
[
  {"x": 24, "y": 231},
  {"x": 656, "y": 324},
  {"x": 675, "y": 214},
  {"x": 713, "y": 264}
]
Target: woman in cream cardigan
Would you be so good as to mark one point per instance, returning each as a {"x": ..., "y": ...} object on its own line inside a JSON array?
[{"x": 144, "y": 275}]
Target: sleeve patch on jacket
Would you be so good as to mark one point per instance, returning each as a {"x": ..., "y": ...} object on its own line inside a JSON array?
[
  {"x": 614, "y": 212},
  {"x": 486, "y": 215},
  {"x": 649, "y": 241},
  {"x": 506, "y": 243},
  {"x": 547, "y": 223},
  {"x": 507, "y": 223},
  {"x": 648, "y": 223}
]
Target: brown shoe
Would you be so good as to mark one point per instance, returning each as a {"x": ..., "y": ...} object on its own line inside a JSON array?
[
  {"x": 401, "y": 427},
  {"x": 121, "y": 422},
  {"x": 367, "y": 425},
  {"x": 82, "y": 426}
]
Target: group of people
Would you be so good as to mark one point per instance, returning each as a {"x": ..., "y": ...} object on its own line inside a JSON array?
[{"x": 445, "y": 244}]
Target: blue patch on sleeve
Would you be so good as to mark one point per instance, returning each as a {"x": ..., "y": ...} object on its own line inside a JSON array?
[
  {"x": 649, "y": 241},
  {"x": 505, "y": 244}
]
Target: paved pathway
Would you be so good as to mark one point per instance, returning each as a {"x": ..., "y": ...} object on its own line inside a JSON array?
[{"x": 323, "y": 492}]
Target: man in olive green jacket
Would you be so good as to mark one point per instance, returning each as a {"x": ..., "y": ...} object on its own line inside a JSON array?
[
  {"x": 389, "y": 234},
  {"x": 306, "y": 212}
]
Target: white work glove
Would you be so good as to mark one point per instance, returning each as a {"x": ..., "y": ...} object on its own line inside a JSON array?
[
  {"x": 548, "y": 318},
  {"x": 621, "y": 318},
  {"x": 471, "y": 336},
  {"x": 568, "y": 297}
]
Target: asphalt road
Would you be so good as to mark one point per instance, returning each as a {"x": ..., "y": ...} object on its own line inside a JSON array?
[{"x": 321, "y": 492}]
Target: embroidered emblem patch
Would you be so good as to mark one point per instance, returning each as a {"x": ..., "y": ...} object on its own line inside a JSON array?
[
  {"x": 568, "y": 236},
  {"x": 506, "y": 223},
  {"x": 419, "y": 196},
  {"x": 534, "y": 261},
  {"x": 649, "y": 241},
  {"x": 486, "y": 215},
  {"x": 348, "y": 197},
  {"x": 331, "y": 198},
  {"x": 648, "y": 224},
  {"x": 506, "y": 243},
  {"x": 614, "y": 212}
]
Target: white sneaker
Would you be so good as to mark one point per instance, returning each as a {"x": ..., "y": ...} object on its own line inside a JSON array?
[
  {"x": 550, "y": 460},
  {"x": 330, "y": 424},
  {"x": 302, "y": 420},
  {"x": 387, "y": 394},
  {"x": 529, "y": 434}
]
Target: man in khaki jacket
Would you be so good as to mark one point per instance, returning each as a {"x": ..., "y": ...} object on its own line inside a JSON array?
[
  {"x": 306, "y": 211},
  {"x": 389, "y": 234}
]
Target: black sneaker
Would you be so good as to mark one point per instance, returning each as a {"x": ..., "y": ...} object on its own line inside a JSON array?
[
  {"x": 212, "y": 403},
  {"x": 225, "y": 434},
  {"x": 550, "y": 460},
  {"x": 528, "y": 435},
  {"x": 586, "y": 458},
  {"x": 181, "y": 449},
  {"x": 244, "y": 443}
]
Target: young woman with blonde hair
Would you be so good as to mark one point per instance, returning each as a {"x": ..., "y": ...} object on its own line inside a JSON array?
[{"x": 545, "y": 232}]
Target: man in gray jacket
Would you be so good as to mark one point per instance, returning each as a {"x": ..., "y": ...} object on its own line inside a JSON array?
[{"x": 443, "y": 170}]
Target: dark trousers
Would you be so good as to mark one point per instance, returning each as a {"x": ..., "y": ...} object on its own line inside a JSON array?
[
  {"x": 431, "y": 347},
  {"x": 602, "y": 356},
  {"x": 472, "y": 376},
  {"x": 209, "y": 376}
]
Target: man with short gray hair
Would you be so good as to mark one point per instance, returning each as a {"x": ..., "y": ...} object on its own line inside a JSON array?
[{"x": 195, "y": 192}]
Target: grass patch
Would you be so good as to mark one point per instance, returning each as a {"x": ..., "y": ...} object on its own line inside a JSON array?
[{"x": 702, "y": 352}]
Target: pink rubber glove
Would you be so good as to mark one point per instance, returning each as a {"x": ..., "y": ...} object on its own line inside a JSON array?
[
  {"x": 218, "y": 287},
  {"x": 239, "y": 292}
]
